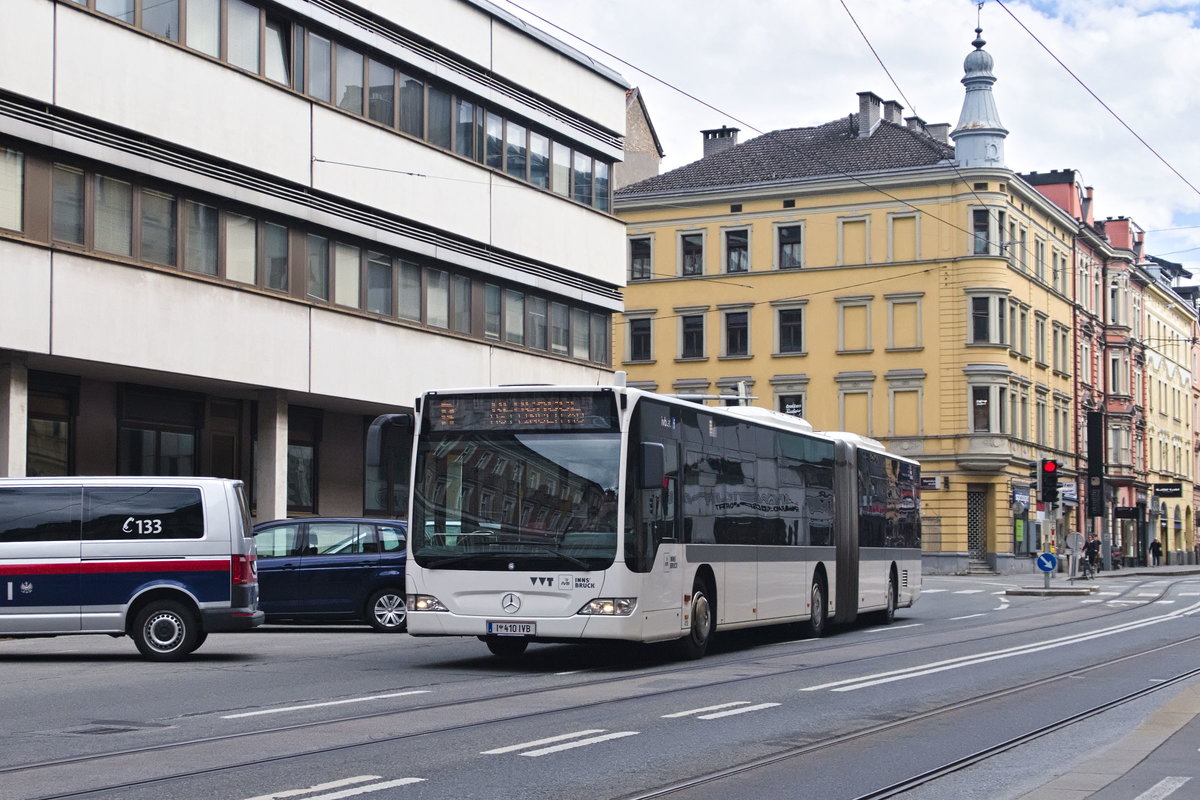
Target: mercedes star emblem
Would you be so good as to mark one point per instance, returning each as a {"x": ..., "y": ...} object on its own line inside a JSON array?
[{"x": 510, "y": 603}]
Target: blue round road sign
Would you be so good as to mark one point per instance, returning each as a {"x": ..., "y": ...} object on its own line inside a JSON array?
[{"x": 1047, "y": 562}]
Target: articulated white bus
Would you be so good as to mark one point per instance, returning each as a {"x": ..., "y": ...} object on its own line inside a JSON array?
[{"x": 558, "y": 514}]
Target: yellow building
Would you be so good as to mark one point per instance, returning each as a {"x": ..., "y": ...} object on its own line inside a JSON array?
[{"x": 871, "y": 276}]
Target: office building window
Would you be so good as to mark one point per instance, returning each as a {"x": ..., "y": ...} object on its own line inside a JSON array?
[
  {"x": 515, "y": 161},
  {"x": 460, "y": 303},
  {"x": 379, "y": 283},
  {"x": 243, "y": 39},
  {"x": 410, "y": 291},
  {"x": 538, "y": 327},
  {"x": 349, "y": 95},
  {"x": 241, "y": 252},
  {"x": 412, "y": 106},
  {"x": 318, "y": 267},
  {"x": 200, "y": 238},
  {"x": 347, "y": 271},
  {"x": 437, "y": 298},
  {"x": 113, "y": 231},
  {"x": 158, "y": 228},
  {"x": 204, "y": 26},
  {"x": 559, "y": 329},
  {"x": 275, "y": 256},
  {"x": 68, "y": 204},
  {"x": 514, "y": 317},
  {"x": 580, "y": 334},
  {"x": 491, "y": 311}
]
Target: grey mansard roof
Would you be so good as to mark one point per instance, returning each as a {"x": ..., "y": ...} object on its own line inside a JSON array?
[{"x": 833, "y": 149}]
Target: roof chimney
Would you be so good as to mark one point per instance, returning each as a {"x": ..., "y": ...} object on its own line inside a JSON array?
[
  {"x": 868, "y": 113},
  {"x": 1087, "y": 206},
  {"x": 916, "y": 125},
  {"x": 940, "y": 131},
  {"x": 718, "y": 139},
  {"x": 893, "y": 111}
]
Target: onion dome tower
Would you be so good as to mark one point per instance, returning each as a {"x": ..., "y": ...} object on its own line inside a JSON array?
[{"x": 979, "y": 137}]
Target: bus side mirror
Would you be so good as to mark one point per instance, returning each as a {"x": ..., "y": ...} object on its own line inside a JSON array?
[{"x": 650, "y": 467}]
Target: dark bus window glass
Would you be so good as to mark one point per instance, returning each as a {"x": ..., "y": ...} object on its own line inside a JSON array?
[
  {"x": 39, "y": 514},
  {"x": 143, "y": 512}
]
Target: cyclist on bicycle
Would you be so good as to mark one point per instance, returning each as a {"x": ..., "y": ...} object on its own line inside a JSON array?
[{"x": 1091, "y": 554}]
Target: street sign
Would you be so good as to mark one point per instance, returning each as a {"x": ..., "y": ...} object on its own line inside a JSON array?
[{"x": 1047, "y": 562}]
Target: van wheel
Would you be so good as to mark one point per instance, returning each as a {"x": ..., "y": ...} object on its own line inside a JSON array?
[
  {"x": 165, "y": 630},
  {"x": 703, "y": 616},
  {"x": 818, "y": 620},
  {"x": 387, "y": 611},
  {"x": 506, "y": 647}
]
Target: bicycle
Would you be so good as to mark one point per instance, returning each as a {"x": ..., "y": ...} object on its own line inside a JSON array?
[{"x": 1087, "y": 569}]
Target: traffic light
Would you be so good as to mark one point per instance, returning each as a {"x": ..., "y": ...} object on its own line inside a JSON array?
[
  {"x": 1035, "y": 475},
  {"x": 1048, "y": 485}
]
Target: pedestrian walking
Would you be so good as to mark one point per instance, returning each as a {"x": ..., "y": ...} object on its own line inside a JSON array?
[{"x": 1156, "y": 551}]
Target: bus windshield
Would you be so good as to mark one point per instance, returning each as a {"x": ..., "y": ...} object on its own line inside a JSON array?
[{"x": 502, "y": 501}]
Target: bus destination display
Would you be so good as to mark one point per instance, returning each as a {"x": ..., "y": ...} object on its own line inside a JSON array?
[{"x": 522, "y": 412}]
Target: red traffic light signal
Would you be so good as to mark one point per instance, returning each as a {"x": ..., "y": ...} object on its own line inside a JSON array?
[{"x": 1048, "y": 488}]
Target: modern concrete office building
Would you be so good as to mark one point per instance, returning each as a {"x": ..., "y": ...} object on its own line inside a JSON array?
[{"x": 232, "y": 232}]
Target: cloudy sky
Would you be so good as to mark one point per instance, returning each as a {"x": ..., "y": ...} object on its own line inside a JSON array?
[{"x": 770, "y": 64}]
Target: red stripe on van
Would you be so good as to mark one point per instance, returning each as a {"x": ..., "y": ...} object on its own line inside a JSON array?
[{"x": 102, "y": 567}]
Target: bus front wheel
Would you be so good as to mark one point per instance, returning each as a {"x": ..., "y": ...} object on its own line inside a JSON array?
[{"x": 703, "y": 621}]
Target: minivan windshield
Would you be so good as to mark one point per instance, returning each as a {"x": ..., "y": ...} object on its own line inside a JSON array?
[{"x": 501, "y": 501}]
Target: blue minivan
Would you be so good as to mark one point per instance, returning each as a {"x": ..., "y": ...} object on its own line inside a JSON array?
[{"x": 333, "y": 569}]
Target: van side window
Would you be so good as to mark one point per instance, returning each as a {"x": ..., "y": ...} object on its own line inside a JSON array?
[
  {"x": 143, "y": 512},
  {"x": 39, "y": 514}
]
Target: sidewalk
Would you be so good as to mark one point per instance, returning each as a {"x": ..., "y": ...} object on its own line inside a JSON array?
[{"x": 1146, "y": 762}]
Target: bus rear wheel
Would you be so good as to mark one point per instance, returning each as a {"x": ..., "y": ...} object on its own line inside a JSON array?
[
  {"x": 818, "y": 619},
  {"x": 888, "y": 615},
  {"x": 506, "y": 647},
  {"x": 702, "y": 613}
]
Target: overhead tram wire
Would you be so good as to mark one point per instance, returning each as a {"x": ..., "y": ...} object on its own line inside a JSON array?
[
  {"x": 978, "y": 25},
  {"x": 833, "y": 169},
  {"x": 1096, "y": 97}
]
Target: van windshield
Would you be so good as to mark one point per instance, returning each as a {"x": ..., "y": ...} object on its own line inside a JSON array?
[{"x": 516, "y": 501}]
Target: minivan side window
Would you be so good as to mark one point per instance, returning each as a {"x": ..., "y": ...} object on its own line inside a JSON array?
[
  {"x": 276, "y": 542},
  {"x": 391, "y": 539},
  {"x": 39, "y": 514},
  {"x": 143, "y": 512},
  {"x": 336, "y": 538}
]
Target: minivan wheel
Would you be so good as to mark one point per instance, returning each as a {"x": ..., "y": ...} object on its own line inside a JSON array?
[
  {"x": 703, "y": 618},
  {"x": 165, "y": 630},
  {"x": 387, "y": 611}
]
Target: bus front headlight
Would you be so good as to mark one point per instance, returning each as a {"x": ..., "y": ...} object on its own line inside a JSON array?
[
  {"x": 425, "y": 602},
  {"x": 610, "y": 606}
]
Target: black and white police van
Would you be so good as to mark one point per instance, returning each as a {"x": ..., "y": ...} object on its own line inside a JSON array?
[{"x": 165, "y": 561}]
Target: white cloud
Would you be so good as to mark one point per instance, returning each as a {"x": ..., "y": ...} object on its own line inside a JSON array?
[{"x": 781, "y": 63}]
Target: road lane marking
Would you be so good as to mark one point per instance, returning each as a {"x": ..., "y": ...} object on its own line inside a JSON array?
[
  {"x": 708, "y": 708},
  {"x": 970, "y": 591},
  {"x": 881, "y": 628},
  {"x": 1163, "y": 602},
  {"x": 1164, "y": 788},
  {"x": 1189, "y": 594},
  {"x": 324, "y": 704},
  {"x": 320, "y": 787},
  {"x": 581, "y": 743},
  {"x": 357, "y": 790},
  {"x": 933, "y": 591},
  {"x": 514, "y": 747},
  {"x": 720, "y": 714},
  {"x": 865, "y": 681},
  {"x": 1146, "y": 594}
]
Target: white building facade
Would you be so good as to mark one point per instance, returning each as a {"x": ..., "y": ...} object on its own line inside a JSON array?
[{"x": 233, "y": 232}]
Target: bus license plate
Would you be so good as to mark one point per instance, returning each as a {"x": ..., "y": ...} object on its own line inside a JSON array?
[{"x": 512, "y": 628}]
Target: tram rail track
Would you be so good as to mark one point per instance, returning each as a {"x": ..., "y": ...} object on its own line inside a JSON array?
[{"x": 15, "y": 771}]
